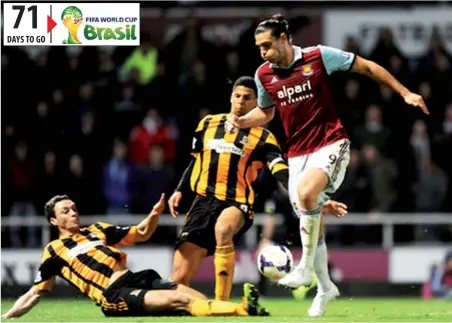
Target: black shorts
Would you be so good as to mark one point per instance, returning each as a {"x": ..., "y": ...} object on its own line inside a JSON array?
[
  {"x": 199, "y": 227},
  {"x": 125, "y": 297}
]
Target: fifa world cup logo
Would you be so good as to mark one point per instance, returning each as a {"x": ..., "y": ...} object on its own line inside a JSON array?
[{"x": 72, "y": 18}]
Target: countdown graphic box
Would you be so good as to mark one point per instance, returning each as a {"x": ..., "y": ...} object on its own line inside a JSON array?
[{"x": 71, "y": 24}]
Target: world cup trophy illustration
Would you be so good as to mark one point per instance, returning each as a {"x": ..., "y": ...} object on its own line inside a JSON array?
[{"x": 72, "y": 18}]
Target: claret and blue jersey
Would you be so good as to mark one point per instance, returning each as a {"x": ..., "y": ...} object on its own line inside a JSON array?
[
  {"x": 302, "y": 94},
  {"x": 332, "y": 60}
]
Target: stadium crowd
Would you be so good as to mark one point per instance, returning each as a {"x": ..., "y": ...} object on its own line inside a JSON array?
[{"x": 111, "y": 127}]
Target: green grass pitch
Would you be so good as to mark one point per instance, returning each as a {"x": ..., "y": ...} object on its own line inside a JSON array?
[{"x": 282, "y": 310}]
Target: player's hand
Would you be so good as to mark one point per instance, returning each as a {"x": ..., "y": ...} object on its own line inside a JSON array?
[
  {"x": 159, "y": 206},
  {"x": 173, "y": 203},
  {"x": 232, "y": 123},
  {"x": 334, "y": 208},
  {"x": 416, "y": 100}
]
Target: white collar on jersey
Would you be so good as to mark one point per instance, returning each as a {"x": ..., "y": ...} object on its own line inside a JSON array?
[{"x": 298, "y": 54}]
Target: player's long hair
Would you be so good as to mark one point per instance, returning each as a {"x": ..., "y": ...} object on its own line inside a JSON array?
[{"x": 277, "y": 24}]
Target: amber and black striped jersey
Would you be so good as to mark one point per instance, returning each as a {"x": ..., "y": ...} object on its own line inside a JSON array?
[
  {"x": 86, "y": 260},
  {"x": 227, "y": 164}
]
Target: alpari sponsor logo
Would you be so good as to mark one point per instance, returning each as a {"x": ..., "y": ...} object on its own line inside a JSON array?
[
  {"x": 289, "y": 95},
  {"x": 221, "y": 146}
]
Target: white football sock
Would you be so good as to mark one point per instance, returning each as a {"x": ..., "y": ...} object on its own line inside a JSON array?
[
  {"x": 321, "y": 267},
  {"x": 309, "y": 234}
]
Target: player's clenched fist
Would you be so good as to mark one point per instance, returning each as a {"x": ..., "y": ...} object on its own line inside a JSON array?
[
  {"x": 173, "y": 203},
  {"x": 232, "y": 123}
]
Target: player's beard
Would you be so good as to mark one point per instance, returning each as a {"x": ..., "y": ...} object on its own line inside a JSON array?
[
  {"x": 280, "y": 60},
  {"x": 277, "y": 58}
]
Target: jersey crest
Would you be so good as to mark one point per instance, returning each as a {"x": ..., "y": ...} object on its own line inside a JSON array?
[{"x": 307, "y": 70}]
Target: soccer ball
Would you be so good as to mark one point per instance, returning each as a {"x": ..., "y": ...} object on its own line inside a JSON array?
[{"x": 275, "y": 261}]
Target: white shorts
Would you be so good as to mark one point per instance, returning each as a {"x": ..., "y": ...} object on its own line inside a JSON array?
[{"x": 332, "y": 159}]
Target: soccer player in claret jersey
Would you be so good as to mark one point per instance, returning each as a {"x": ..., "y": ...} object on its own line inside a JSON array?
[{"x": 295, "y": 80}]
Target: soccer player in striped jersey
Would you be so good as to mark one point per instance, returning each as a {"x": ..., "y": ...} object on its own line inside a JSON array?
[
  {"x": 222, "y": 173},
  {"x": 89, "y": 259}
]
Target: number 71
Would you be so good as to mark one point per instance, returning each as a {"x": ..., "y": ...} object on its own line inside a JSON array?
[{"x": 34, "y": 17}]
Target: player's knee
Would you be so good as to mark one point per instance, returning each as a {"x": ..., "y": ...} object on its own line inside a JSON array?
[
  {"x": 177, "y": 299},
  {"x": 224, "y": 233},
  {"x": 308, "y": 197}
]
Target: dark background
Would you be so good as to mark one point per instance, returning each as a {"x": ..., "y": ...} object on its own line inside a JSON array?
[{"x": 84, "y": 122}]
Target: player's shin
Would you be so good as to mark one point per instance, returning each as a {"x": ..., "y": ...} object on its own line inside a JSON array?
[
  {"x": 309, "y": 234},
  {"x": 321, "y": 266},
  {"x": 200, "y": 307},
  {"x": 224, "y": 260}
]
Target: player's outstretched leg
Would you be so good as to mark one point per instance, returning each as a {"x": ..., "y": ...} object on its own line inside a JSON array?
[
  {"x": 306, "y": 198},
  {"x": 164, "y": 301},
  {"x": 228, "y": 224},
  {"x": 187, "y": 259},
  {"x": 303, "y": 274},
  {"x": 326, "y": 290}
]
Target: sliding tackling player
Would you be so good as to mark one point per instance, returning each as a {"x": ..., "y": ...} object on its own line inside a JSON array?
[{"x": 89, "y": 260}]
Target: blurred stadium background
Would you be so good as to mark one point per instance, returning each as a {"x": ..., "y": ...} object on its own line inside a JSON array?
[{"x": 111, "y": 127}]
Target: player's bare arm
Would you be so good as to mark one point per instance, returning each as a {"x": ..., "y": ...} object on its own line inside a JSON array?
[
  {"x": 146, "y": 228},
  {"x": 24, "y": 304},
  {"x": 262, "y": 112},
  {"x": 381, "y": 75},
  {"x": 255, "y": 118}
]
